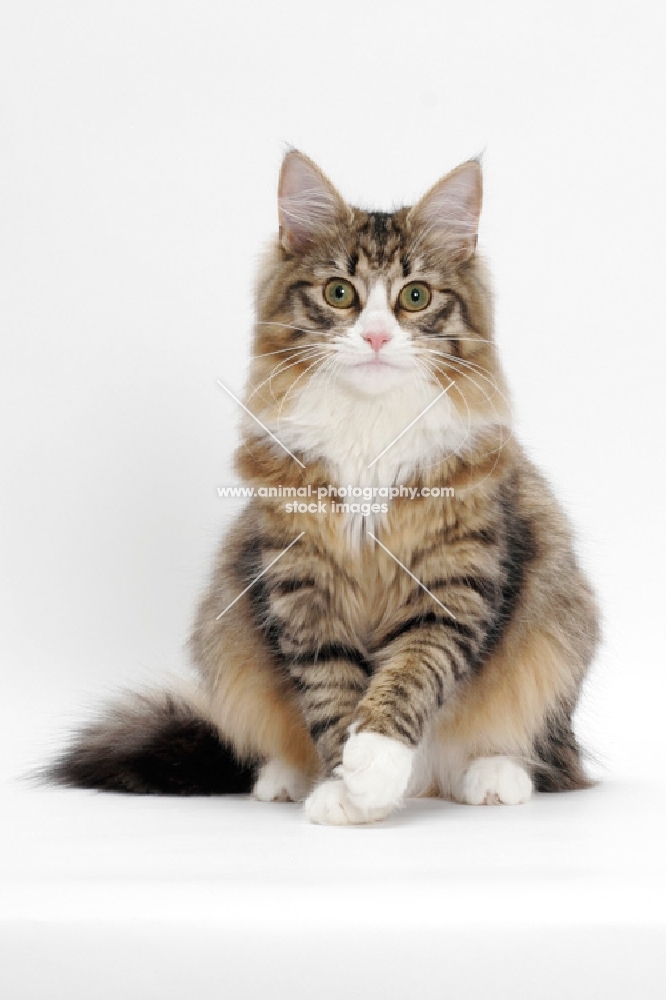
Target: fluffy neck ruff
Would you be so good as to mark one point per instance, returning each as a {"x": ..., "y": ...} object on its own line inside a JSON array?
[{"x": 375, "y": 440}]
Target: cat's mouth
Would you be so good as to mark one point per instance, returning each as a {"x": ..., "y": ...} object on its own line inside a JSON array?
[
  {"x": 375, "y": 363},
  {"x": 374, "y": 374}
]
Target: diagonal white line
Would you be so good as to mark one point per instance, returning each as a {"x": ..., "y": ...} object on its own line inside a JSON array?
[
  {"x": 277, "y": 440},
  {"x": 416, "y": 580},
  {"x": 418, "y": 417},
  {"x": 259, "y": 576}
]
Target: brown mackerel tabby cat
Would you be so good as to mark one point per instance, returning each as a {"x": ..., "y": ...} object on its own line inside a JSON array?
[{"x": 353, "y": 651}]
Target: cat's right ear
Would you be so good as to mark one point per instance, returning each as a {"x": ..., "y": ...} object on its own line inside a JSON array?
[{"x": 307, "y": 202}]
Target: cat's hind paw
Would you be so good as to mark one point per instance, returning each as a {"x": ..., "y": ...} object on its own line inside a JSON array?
[
  {"x": 494, "y": 781},
  {"x": 280, "y": 782}
]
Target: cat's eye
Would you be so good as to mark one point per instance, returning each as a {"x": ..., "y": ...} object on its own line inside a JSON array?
[
  {"x": 414, "y": 296},
  {"x": 340, "y": 293}
]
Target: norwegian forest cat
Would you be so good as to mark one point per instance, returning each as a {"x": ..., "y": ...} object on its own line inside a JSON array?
[{"x": 432, "y": 642}]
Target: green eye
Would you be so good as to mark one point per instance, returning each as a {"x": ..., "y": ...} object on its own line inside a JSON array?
[
  {"x": 414, "y": 296},
  {"x": 340, "y": 293}
]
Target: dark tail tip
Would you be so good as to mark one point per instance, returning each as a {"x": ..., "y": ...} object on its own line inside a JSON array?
[{"x": 152, "y": 745}]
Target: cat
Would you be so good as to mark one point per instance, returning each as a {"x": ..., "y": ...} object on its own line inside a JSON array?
[{"x": 432, "y": 642}]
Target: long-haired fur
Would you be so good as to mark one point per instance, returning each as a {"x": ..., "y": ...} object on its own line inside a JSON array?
[{"x": 457, "y": 625}]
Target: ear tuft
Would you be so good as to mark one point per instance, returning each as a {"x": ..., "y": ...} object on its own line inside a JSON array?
[
  {"x": 451, "y": 208},
  {"x": 307, "y": 201}
]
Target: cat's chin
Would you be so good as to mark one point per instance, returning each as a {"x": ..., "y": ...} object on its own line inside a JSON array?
[{"x": 373, "y": 379}]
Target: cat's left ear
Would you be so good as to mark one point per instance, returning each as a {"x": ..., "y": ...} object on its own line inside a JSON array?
[
  {"x": 307, "y": 202},
  {"x": 450, "y": 211}
]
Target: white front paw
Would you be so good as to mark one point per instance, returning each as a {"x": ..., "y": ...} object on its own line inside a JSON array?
[
  {"x": 495, "y": 780},
  {"x": 280, "y": 782},
  {"x": 329, "y": 804},
  {"x": 376, "y": 771}
]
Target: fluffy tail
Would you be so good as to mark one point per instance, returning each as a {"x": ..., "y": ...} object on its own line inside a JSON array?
[{"x": 152, "y": 745}]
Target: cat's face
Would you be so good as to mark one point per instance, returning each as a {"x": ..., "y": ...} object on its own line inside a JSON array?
[{"x": 355, "y": 306}]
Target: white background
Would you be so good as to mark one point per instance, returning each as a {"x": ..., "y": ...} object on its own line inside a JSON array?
[{"x": 139, "y": 150}]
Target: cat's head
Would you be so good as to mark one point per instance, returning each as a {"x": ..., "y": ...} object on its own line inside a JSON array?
[{"x": 380, "y": 305}]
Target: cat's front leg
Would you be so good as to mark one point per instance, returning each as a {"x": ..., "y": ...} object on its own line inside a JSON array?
[
  {"x": 416, "y": 671},
  {"x": 330, "y": 684},
  {"x": 330, "y": 687},
  {"x": 327, "y": 665}
]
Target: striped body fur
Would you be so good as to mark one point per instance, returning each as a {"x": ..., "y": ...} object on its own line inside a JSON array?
[{"x": 436, "y": 647}]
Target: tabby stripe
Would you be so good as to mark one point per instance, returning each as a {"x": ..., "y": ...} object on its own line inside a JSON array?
[
  {"x": 409, "y": 716},
  {"x": 466, "y": 654},
  {"x": 334, "y": 700},
  {"x": 287, "y": 300},
  {"x": 433, "y": 670},
  {"x": 435, "y": 321},
  {"x": 318, "y": 729},
  {"x": 484, "y": 586},
  {"x": 291, "y": 586},
  {"x": 316, "y": 315},
  {"x": 486, "y": 536},
  {"x": 438, "y": 542},
  {"x": 379, "y": 224},
  {"x": 460, "y": 651},
  {"x": 430, "y": 618},
  {"x": 407, "y": 734},
  {"x": 341, "y": 684},
  {"x": 401, "y": 692},
  {"x": 335, "y": 651},
  {"x": 465, "y": 316}
]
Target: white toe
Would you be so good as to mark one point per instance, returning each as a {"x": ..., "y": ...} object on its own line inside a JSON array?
[
  {"x": 376, "y": 771},
  {"x": 495, "y": 780},
  {"x": 329, "y": 804}
]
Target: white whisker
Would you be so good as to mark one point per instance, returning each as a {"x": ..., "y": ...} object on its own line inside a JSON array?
[
  {"x": 283, "y": 366},
  {"x": 317, "y": 361},
  {"x": 288, "y": 326},
  {"x": 283, "y": 350},
  {"x": 501, "y": 425}
]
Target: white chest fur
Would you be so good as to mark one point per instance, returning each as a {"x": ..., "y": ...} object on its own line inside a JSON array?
[{"x": 373, "y": 440}]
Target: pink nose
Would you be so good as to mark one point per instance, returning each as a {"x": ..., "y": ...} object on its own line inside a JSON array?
[{"x": 376, "y": 339}]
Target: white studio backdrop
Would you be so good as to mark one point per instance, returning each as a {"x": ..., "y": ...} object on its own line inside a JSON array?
[{"x": 138, "y": 167}]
